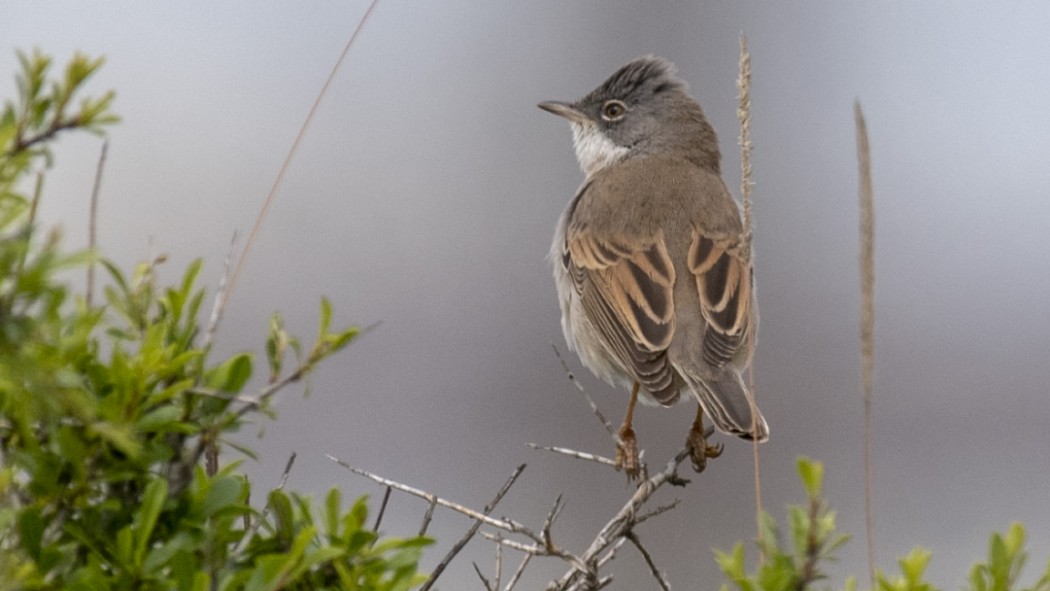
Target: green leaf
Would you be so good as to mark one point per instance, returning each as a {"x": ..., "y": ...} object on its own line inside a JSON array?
[
  {"x": 201, "y": 582},
  {"x": 268, "y": 572},
  {"x": 732, "y": 564},
  {"x": 190, "y": 276},
  {"x": 768, "y": 534},
  {"x": 1043, "y": 584},
  {"x": 811, "y": 472},
  {"x": 116, "y": 274},
  {"x": 326, "y": 318},
  {"x": 165, "y": 418},
  {"x": 798, "y": 525},
  {"x": 283, "y": 517},
  {"x": 232, "y": 374},
  {"x": 153, "y": 499},
  {"x": 31, "y": 531},
  {"x": 125, "y": 543},
  {"x": 119, "y": 436},
  {"x": 333, "y": 506},
  {"x": 1015, "y": 538},
  {"x": 913, "y": 566},
  {"x": 337, "y": 341},
  {"x": 224, "y": 492},
  {"x": 161, "y": 555},
  {"x": 276, "y": 346}
]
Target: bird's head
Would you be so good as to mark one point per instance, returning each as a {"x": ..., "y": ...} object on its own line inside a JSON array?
[{"x": 642, "y": 109}]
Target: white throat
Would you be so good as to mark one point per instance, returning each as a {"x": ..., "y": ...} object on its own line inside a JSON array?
[{"x": 593, "y": 149}]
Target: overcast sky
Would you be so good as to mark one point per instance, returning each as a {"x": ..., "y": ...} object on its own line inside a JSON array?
[{"x": 426, "y": 193}]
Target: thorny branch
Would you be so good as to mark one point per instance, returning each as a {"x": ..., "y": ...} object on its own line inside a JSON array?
[
  {"x": 266, "y": 510},
  {"x": 584, "y": 568},
  {"x": 440, "y": 568},
  {"x": 590, "y": 401},
  {"x": 659, "y": 576},
  {"x": 579, "y": 455},
  {"x": 619, "y": 527},
  {"x": 583, "y": 573}
]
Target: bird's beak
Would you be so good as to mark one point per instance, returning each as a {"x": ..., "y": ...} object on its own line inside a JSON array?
[{"x": 563, "y": 109}]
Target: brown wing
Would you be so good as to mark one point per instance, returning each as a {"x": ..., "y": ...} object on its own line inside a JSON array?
[
  {"x": 626, "y": 290},
  {"x": 723, "y": 280}
]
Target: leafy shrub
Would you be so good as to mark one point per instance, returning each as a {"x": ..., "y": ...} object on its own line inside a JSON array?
[
  {"x": 813, "y": 540},
  {"x": 107, "y": 411}
]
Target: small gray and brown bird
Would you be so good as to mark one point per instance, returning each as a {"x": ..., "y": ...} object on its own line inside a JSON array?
[{"x": 655, "y": 293}]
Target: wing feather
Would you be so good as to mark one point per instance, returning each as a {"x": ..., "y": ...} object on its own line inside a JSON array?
[
  {"x": 626, "y": 291},
  {"x": 723, "y": 281}
]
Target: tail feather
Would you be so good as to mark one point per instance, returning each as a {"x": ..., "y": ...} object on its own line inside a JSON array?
[{"x": 727, "y": 401}]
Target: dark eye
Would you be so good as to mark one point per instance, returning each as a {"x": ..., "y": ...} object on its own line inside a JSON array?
[{"x": 613, "y": 110}]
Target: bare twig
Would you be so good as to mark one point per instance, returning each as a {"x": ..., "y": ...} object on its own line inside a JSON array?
[
  {"x": 34, "y": 204},
  {"x": 440, "y": 568},
  {"x": 181, "y": 471},
  {"x": 534, "y": 549},
  {"x": 294, "y": 149},
  {"x": 809, "y": 571},
  {"x": 659, "y": 576},
  {"x": 867, "y": 323},
  {"x": 743, "y": 114},
  {"x": 583, "y": 569},
  {"x": 504, "y": 524},
  {"x": 484, "y": 581},
  {"x": 266, "y": 510},
  {"x": 518, "y": 572},
  {"x": 757, "y": 465},
  {"x": 579, "y": 455},
  {"x": 568, "y": 372},
  {"x": 93, "y": 223},
  {"x": 583, "y": 573},
  {"x": 212, "y": 393},
  {"x": 498, "y": 576},
  {"x": 270, "y": 390},
  {"x": 427, "y": 517},
  {"x": 57, "y": 125},
  {"x": 538, "y": 549},
  {"x": 617, "y": 527},
  {"x": 382, "y": 508},
  {"x": 596, "y": 585},
  {"x": 211, "y": 458},
  {"x": 220, "y": 295},
  {"x": 594, "y": 405},
  {"x": 38, "y": 191},
  {"x": 611, "y": 554},
  {"x": 640, "y": 519},
  {"x": 548, "y": 523},
  {"x": 206, "y": 445}
]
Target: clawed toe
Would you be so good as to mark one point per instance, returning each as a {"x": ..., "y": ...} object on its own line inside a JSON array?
[
  {"x": 700, "y": 451},
  {"x": 627, "y": 454}
]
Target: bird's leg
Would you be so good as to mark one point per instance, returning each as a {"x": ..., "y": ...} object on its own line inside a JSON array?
[
  {"x": 699, "y": 450},
  {"x": 627, "y": 448}
]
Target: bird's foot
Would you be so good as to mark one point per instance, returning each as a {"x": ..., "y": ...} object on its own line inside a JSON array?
[
  {"x": 627, "y": 453},
  {"x": 699, "y": 450}
]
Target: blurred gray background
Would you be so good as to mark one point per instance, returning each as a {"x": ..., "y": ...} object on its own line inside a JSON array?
[{"x": 426, "y": 193}]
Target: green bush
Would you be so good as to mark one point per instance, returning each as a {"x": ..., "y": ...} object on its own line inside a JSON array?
[
  {"x": 813, "y": 540},
  {"x": 107, "y": 411}
]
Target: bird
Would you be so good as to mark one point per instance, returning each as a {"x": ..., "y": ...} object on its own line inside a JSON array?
[{"x": 654, "y": 283}]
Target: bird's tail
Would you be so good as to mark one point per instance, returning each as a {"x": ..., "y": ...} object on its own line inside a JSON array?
[{"x": 727, "y": 401}]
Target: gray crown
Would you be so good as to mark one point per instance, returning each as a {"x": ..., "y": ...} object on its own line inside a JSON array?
[{"x": 643, "y": 77}]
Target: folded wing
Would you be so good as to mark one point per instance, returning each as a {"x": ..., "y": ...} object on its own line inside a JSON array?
[
  {"x": 626, "y": 290},
  {"x": 723, "y": 281}
]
